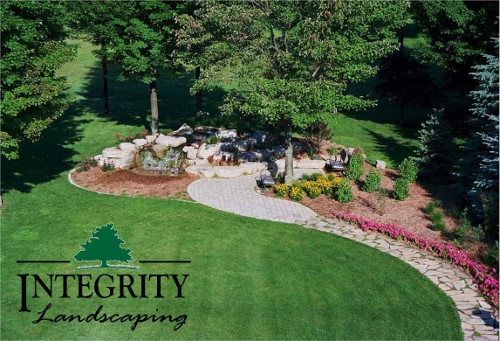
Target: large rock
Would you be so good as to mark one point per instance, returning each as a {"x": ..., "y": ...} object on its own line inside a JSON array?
[
  {"x": 311, "y": 164},
  {"x": 150, "y": 139},
  {"x": 190, "y": 151},
  {"x": 205, "y": 170},
  {"x": 263, "y": 154},
  {"x": 227, "y": 134},
  {"x": 253, "y": 167},
  {"x": 260, "y": 136},
  {"x": 184, "y": 130},
  {"x": 127, "y": 146},
  {"x": 228, "y": 171},
  {"x": 380, "y": 164},
  {"x": 207, "y": 150},
  {"x": 278, "y": 151},
  {"x": 139, "y": 143},
  {"x": 171, "y": 141},
  {"x": 159, "y": 150},
  {"x": 241, "y": 145},
  {"x": 119, "y": 158},
  {"x": 247, "y": 157},
  {"x": 278, "y": 166}
]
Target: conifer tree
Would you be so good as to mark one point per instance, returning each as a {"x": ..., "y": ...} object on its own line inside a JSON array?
[
  {"x": 480, "y": 168},
  {"x": 435, "y": 149}
]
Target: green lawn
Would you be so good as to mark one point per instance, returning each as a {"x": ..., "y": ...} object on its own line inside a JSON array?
[{"x": 248, "y": 279}]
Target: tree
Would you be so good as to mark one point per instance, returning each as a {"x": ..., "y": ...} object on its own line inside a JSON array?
[
  {"x": 405, "y": 81},
  {"x": 144, "y": 44},
  {"x": 434, "y": 154},
  {"x": 482, "y": 162},
  {"x": 98, "y": 21},
  {"x": 287, "y": 62},
  {"x": 33, "y": 48},
  {"x": 458, "y": 33},
  {"x": 104, "y": 245}
]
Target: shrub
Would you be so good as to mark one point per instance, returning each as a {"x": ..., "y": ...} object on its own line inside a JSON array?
[
  {"x": 491, "y": 257},
  {"x": 343, "y": 192},
  {"x": 108, "y": 167},
  {"x": 312, "y": 189},
  {"x": 372, "y": 181},
  {"x": 354, "y": 168},
  {"x": 436, "y": 215},
  {"x": 401, "y": 190},
  {"x": 382, "y": 196},
  {"x": 86, "y": 164},
  {"x": 296, "y": 193},
  {"x": 465, "y": 231},
  {"x": 408, "y": 170},
  {"x": 281, "y": 190}
]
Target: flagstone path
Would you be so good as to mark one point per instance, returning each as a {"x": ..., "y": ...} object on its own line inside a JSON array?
[{"x": 238, "y": 195}]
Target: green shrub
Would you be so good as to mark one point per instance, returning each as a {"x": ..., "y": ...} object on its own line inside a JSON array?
[
  {"x": 436, "y": 215},
  {"x": 372, "y": 181},
  {"x": 296, "y": 193},
  {"x": 108, "y": 167},
  {"x": 491, "y": 257},
  {"x": 465, "y": 231},
  {"x": 408, "y": 170},
  {"x": 354, "y": 168},
  {"x": 401, "y": 190},
  {"x": 343, "y": 192}
]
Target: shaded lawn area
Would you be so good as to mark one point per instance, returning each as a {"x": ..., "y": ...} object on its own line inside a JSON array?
[{"x": 248, "y": 279}]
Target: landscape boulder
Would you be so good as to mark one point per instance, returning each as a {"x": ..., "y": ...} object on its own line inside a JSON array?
[
  {"x": 228, "y": 171},
  {"x": 311, "y": 164},
  {"x": 184, "y": 130},
  {"x": 171, "y": 141},
  {"x": 207, "y": 150}
]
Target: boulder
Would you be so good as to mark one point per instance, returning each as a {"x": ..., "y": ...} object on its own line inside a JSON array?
[
  {"x": 113, "y": 153},
  {"x": 159, "y": 150},
  {"x": 253, "y": 167},
  {"x": 207, "y": 150},
  {"x": 228, "y": 171},
  {"x": 247, "y": 157},
  {"x": 171, "y": 141},
  {"x": 227, "y": 134},
  {"x": 260, "y": 136},
  {"x": 278, "y": 151},
  {"x": 380, "y": 164},
  {"x": 241, "y": 145},
  {"x": 184, "y": 130},
  {"x": 140, "y": 143},
  {"x": 120, "y": 158},
  {"x": 127, "y": 146},
  {"x": 311, "y": 164},
  {"x": 190, "y": 151},
  {"x": 205, "y": 170},
  {"x": 263, "y": 154},
  {"x": 150, "y": 139},
  {"x": 278, "y": 166}
]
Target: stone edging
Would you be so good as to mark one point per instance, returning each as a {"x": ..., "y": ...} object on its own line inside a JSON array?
[{"x": 476, "y": 316}]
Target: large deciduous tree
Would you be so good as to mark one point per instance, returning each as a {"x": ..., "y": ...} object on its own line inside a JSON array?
[
  {"x": 289, "y": 62},
  {"x": 33, "y": 48},
  {"x": 145, "y": 43}
]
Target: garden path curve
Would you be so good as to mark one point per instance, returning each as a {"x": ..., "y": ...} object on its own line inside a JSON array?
[{"x": 238, "y": 195}]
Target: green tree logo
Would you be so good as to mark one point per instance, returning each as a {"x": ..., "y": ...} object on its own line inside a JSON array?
[{"x": 104, "y": 245}]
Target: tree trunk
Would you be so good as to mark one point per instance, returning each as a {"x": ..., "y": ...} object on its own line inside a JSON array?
[
  {"x": 288, "y": 154},
  {"x": 199, "y": 93},
  {"x": 154, "y": 107},
  {"x": 105, "y": 79},
  {"x": 401, "y": 36}
]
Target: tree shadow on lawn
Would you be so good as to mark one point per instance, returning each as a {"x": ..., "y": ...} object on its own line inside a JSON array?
[
  {"x": 42, "y": 161},
  {"x": 129, "y": 101},
  {"x": 390, "y": 146}
]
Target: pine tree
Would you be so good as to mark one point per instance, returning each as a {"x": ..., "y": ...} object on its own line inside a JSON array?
[
  {"x": 104, "y": 245},
  {"x": 482, "y": 162},
  {"x": 435, "y": 149}
]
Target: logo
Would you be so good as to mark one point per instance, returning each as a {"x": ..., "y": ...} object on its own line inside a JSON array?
[{"x": 104, "y": 246}]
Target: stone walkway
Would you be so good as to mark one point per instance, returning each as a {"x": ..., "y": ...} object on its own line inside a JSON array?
[{"x": 238, "y": 195}]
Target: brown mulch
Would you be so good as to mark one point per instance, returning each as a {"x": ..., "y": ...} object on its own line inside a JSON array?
[{"x": 407, "y": 214}]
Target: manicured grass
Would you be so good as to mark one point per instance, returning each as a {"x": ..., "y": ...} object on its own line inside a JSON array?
[{"x": 248, "y": 279}]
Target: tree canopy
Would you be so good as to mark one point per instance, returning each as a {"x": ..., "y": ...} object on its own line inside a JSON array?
[
  {"x": 33, "y": 49},
  {"x": 290, "y": 62}
]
